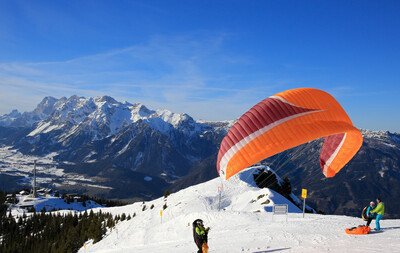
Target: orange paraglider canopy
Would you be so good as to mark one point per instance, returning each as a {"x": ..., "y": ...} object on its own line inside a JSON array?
[{"x": 284, "y": 121}]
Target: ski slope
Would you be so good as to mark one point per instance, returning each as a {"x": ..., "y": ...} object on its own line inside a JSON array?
[{"x": 240, "y": 222}]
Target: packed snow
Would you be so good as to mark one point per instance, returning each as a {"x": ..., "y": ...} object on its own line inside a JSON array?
[{"x": 241, "y": 220}]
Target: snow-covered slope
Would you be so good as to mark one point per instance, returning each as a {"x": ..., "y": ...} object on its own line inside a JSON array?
[{"x": 241, "y": 222}]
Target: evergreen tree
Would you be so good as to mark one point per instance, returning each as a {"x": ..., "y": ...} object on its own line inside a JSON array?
[
  {"x": 266, "y": 179},
  {"x": 52, "y": 233},
  {"x": 167, "y": 193}
]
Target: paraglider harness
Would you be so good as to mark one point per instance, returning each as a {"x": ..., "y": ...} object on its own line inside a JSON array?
[
  {"x": 360, "y": 230},
  {"x": 364, "y": 215},
  {"x": 200, "y": 240}
]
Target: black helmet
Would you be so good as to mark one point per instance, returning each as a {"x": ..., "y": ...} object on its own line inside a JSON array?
[{"x": 199, "y": 222}]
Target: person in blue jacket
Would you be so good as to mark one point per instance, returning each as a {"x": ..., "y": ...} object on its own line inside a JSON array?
[{"x": 370, "y": 216}]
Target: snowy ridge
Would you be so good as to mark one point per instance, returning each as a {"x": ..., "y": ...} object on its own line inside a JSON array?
[
  {"x": 9, "y": 119},
  {"x": 241, "y": 222},
  {"x": 384, "y": 136},
  {"x": 102, "y": 116},
  {"x": 28, "y": 119},
  {"x": 197, "y": 201}
]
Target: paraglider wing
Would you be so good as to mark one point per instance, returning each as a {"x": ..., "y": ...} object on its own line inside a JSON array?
[{"x": 284, "y": 121}]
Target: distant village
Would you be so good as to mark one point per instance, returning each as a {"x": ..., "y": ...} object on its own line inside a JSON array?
[
  {"x": 45, "y": 199},
  {"x": 26, "y": 200}
]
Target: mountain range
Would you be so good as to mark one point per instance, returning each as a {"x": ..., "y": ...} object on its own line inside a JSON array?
[
  {"x": 117, "y": 150},
  {"x": 125, "y": 150}
]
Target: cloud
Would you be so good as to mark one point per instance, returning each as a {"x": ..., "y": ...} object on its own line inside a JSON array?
[
  {"x": 183, "y": 73},
  {"x": 193, "y": 74}
]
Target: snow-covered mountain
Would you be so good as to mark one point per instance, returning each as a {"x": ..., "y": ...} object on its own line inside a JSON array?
[
  {"x": 27, "y": 119},
  {"x": 111, "y": 143},
  {"x": 241, "y": 220},
  {"x": 125, "y": 150},
  {"x": 99, "y": 117},
  {"x": 373, "y": 172}
]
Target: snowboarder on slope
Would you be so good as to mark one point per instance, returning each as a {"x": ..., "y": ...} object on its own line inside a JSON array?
[
  {"x": 370, "y": 216},
  {"x": 200, "y": 235},
  {"x": 380, "y": 211}
]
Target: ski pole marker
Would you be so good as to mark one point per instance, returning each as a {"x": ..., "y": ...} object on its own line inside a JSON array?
[
  {"x": 304, "y": 193},
  {"x": 304, "y": 196}
]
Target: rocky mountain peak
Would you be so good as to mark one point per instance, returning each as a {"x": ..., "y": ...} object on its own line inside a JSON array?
[
  {"x": 106, "y": 99},
  {"x": 140, "y": 111},
  {"x": 46, "y": 106},
  {"x": 14, "y": 114}
]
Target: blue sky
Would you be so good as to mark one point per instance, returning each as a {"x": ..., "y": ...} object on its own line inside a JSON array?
[{"x": 210, "y": 59}]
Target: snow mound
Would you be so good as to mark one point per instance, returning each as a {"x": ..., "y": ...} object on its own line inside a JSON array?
[
  {"x": 212, "y": 201},
  {"x": 240, "y": 221},
  {"x": 238, "y": 227}
]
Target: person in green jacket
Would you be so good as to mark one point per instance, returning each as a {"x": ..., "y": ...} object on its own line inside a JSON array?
[
  {"x": 200, "y": 234},
  {"x": 380, "y": 211}
]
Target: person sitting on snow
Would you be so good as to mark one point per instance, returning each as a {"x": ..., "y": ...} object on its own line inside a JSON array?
[
  {"x": 370, "y": 216},
  {"x": 200, "y": 235},
  {"x": 379, "y": 211}
]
